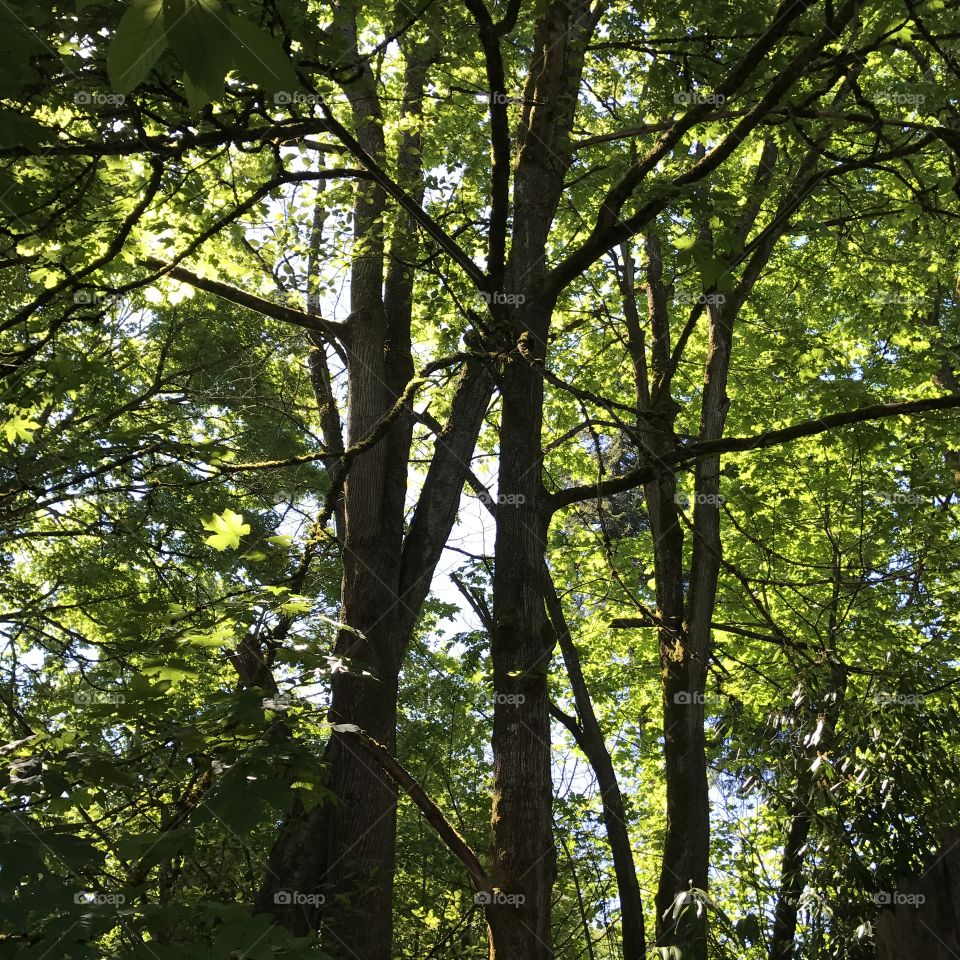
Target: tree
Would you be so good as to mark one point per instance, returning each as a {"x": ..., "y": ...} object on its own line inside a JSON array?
[{"x": 564, "y": 234}]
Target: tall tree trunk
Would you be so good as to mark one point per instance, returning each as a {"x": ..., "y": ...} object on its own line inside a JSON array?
[
  {"x": 655, "y": 428},
  {"x": 524, "y": 857},
  {"x": 590, "y": 739},
  {"x": 687, "y": 846},
  {"x": 800, "y": 809},
  {"x": 346, "y": 851},
  {"x": 791, "y": 884}
]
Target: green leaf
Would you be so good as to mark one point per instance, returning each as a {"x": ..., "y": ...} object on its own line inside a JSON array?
[
  {"x": 296, "y": 604},
  {"x": 228, "y": 527},
  {"x": 260, "y": 57},
  {"x": 196, "y": 98},
  {"x": 219, "y": 636},
  {"x": 199, "y": 38},
  {"x": 137, "y": 44},
  {"x": 20, "y": 428},
  {"x": 17, "y": 130}
]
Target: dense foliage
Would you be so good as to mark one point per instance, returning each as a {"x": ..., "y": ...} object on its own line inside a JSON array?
[{"x": 476, "y": 479}]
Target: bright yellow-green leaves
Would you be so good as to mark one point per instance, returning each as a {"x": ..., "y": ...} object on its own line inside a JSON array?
[
  {"x": 19, "y": 426},
  {"x": 227, "y": 529}
]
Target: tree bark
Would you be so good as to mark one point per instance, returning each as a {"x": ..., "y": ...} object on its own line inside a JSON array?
[
  {"x": 523, "y": 855},
  {"x": 590, "y": 739}
]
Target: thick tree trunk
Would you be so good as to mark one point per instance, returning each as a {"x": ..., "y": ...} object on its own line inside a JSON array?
[{"x": 524, "y": 859}]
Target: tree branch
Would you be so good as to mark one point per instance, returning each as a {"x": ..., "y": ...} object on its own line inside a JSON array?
[
  {"x": 690, "y": 453},
  {"x": 434, "y": 815},
  {"x": 429, "y": 225},
  {"x": 277, "y": 311}
]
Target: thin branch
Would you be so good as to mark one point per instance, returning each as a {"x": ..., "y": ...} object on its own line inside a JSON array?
[
  {"x": 455, "y": 843},
  {"x": 690, "y": 453},
  {"x": 277, "y": 311}
]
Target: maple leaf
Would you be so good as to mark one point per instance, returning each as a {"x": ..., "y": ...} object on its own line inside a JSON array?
[{"x": 228, "y": 527}]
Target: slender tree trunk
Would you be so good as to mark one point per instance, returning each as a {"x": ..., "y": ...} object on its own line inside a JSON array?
[
  {"x": 684, "y": 859},
  {"x": 590, "y": 739},
  {"x": 800, "y": 809},
  {"x": 791, "y": 885},
  {"x": 687, "y": 846}
]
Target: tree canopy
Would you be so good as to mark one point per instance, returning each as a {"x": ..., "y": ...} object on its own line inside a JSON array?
[{"x": 476, "y": 479}]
